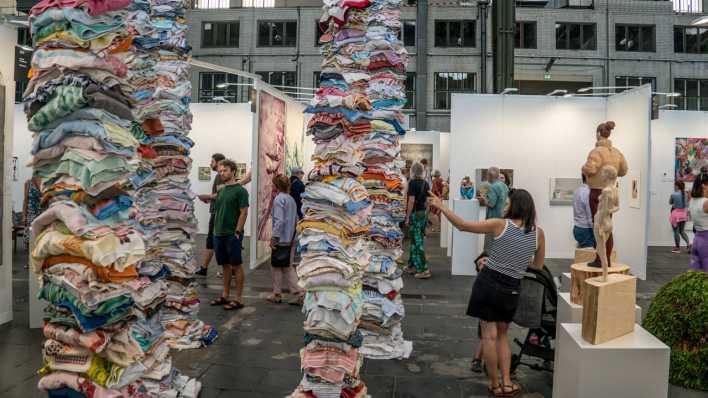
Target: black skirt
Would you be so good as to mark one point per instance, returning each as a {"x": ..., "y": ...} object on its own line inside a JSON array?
[
  {"x": 280, "y": 256},
  {"x": 494, "y": 296}
]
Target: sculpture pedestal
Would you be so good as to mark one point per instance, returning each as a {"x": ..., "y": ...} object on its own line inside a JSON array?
[
  {"x": 579, "y": 272},
  {"x": 465, "y": 245},
  {"x": 565, "y": 283},
  {"x": 608, "y": 307},
  {"x": 635, "y": 365},
  {"x": 573, "y": 313},
  {"x": 587, "y": 255}
]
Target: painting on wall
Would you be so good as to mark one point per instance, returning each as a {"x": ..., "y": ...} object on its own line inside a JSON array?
[
  {"x": 240, "y": 171},
  {"x": 415, "y": 153},
  {"x": 271, "y": 161},
  {"x": 635, "y": 190},
  {"x": 294, "y": 140},
  {"x": 205, "y": 173},
  {"x": 562, "y": 190},
  {"x": 691, "y": 154}
]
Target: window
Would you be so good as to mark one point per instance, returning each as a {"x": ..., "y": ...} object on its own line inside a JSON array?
[
  {"x": 258, "y": 3},
  {"x": 694, "y": 94},
  {"x": 525, "y": 34},
  {"x": 688, "y": 6},
  {"x": 635, "y": 38},
  {"x": 408, "y": 31},
  {"x": 279, "y": 78},
  {"x": 633, "y": 81},
  {"x": 220, "y": 34},
  {"x": 211, "y": 4},
  {"x": 455, "y": 33},
  {"x": 318, "y": 33},
  {"x": 23, "y": 36},
  {"x": 690, "y": 40},
  {"x": 410, "y": 91},
  {"x": 20, "y": 87},
  {"x": 575, "y": 36},
  {"x": 316, "y": 79},
  {"x": 447, "y": 83},
  {"x": 209, "y": 90},
  {"x": 277, "y": 33}
]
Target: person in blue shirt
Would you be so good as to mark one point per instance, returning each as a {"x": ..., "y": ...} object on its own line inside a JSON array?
[
  {"x": 494, "y": 200},
  {"x": 467, "y": 188}
]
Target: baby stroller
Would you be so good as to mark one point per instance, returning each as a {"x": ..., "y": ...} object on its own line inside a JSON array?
[{"x": 536, "y": 311}]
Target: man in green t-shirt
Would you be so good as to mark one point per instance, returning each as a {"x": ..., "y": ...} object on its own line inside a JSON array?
[{"x": 230, "y": 213}]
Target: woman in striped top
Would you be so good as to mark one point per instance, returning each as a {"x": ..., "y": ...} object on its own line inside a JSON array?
[{"x": 518, "y": 244}]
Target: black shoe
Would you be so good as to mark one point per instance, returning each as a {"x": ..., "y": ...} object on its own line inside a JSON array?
[
  {"x": 201, "y": 272},
  {"x": 595, "y": 264},
  {"x": 476, "y": 366}
]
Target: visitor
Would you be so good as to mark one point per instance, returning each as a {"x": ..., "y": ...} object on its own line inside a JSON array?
[
  {"x": 698, "y": 207},
  {"x": 437, "y": 189},
  {"x": 416, "y": 221},
  {"x": 506, "y": 179},
  {"x": 230, "y": 213},
  {"x": 477, "y": 364},
  {"x": 30, "y": 207},
  {"x": 466, "y": 188},
  {"x": 679, "y": 216},
  {"x": 519, "y": 244},
  {"x": 297, "y": 188},
  {"x": 427, "y": 175},
  {"x": 284, "y": 215},
  {"x": 582, "y": 216},
  {"x": 494, "y": 199},
  {"x": 209, "y": 252}
]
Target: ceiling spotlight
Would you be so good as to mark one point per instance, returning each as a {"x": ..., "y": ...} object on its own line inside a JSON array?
[
  {"x": 701, "y": 21},
  {"x": 555, "y": 92},
  {"x": 670, "y": 95},
  {"x": 568, "y": 95},
  {"x": 509, "y": 90},
  {"x": 668, "y": 106}
]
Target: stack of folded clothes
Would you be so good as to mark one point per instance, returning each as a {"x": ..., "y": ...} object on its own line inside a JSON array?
[
  {"x": 160, "y": 72},
  {"x": 383, "y": 307},
  {"x": 104, "y": 327}
]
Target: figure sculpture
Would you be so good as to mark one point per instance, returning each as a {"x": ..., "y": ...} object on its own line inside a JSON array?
[
  {"x": 604, "y": 154},
  {"x": 608, "y": 205}
]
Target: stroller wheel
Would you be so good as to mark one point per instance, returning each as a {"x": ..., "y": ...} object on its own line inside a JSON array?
[{"x": 515, "y": 360}]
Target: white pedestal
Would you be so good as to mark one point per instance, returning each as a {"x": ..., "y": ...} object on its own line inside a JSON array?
[
  {"x": 444, "y": 228},
  {"x": 635, "y": 365},
  {"x": 565, "y": 282},
  {"x": 466, "y": 245},
  {"x": 36, "y": 306},
  {"x": 573, "y": 313}
]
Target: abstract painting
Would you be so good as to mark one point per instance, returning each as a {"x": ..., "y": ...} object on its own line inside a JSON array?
[{"x": 691, "y": 154}]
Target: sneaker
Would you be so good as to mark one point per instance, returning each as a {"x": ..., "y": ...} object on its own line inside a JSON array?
[
  {"x": 423, "y": 275},
  {"x": 676, "y": 250},
  {"x": 219, "y": 274},
  {"x": 476, "y": 365},
  {"x": 202, "y": 272}
]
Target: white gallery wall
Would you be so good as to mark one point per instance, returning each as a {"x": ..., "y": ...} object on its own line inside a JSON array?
[
  {"x": 8, "y": 39},
  {"x": 664, "y": 131},
  {"x": 539, "y": 137},
  {"x": 631, "y": 110},
  {"x": 441, "y": 147}
]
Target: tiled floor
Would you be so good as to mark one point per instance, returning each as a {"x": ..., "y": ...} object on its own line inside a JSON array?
[{"x": 256, "y": 354}]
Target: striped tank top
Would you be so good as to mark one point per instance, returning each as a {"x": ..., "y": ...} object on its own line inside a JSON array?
[{"x": 511, "y": 252}]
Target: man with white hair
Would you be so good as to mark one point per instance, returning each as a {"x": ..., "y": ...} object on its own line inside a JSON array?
[{"x": 495, "y": 198}]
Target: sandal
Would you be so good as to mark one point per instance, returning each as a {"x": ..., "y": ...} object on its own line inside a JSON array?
[
  {"x": 409, "y": 270},
  {"x": 233, "y": 305},
  {"x": 275, "y": 298},
  {"x": 510, "y": 390},
  {"x": 423, "y": 275},
  {"x": 220, "y": 301},
  {"x": 496, "y": 390}
]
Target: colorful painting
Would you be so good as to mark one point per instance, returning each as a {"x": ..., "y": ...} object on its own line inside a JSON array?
[
  {"x": 691, "y": 154},
  {"x": 271, "y": 161}
]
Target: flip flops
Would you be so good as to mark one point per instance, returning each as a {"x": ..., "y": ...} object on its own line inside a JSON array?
[{"x": 233, "y": 305}]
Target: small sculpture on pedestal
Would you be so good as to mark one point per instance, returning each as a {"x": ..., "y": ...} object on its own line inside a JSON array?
[
  {"x": 608, "y": 205},
  {"x": 604, "y": 154}
]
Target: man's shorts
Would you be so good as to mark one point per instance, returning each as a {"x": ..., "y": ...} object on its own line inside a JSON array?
[
  {"x": 210, "y": 233},
  {"x": 228, "y": 250}
]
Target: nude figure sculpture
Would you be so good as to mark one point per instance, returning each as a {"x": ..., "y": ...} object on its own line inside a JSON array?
[{"x": 608, "y": 205}]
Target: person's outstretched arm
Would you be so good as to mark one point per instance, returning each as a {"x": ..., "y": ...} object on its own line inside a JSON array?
[
  {"x": 540, "y": 257},
  {"x": 492, "y": 226}
]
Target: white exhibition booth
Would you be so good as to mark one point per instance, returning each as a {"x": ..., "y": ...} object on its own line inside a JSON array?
[{"x": 542, "y": 137}]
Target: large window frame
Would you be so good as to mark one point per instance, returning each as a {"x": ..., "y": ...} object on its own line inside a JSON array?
[
  {"x": 410, "y": 85},
  {"x": 208, "y": 90},
  {"x": 452, "y": 33},
  {"x": 690, "y": 40},
  {"x": 229, "y": 29},
  {"x": 277, "y": 33},
  {"x": 407, "y": 34},
  {"x": 694, "y": 94},
  {"x": 464, "y": 82},
  {"x": 565, "y": 40},
  {"x": 279, "y": 78},
  {"x": 635, "y": 38},
  {"x": 526, "y": 35}
]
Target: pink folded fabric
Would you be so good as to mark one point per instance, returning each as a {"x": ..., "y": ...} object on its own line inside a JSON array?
[
  {"x": 92, "y": 7},
  {"x": 95, "y": 341}
]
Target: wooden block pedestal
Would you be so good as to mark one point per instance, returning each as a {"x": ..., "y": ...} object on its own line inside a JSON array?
[
  {"x": 608, "y": 307},
  {"x": 587, "y": 255},
  {"x": 573, "y": 313},
  {"x": 579, "y": 272}
]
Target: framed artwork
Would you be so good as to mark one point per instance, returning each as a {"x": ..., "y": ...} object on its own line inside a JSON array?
[
  {"x": 635, "y": 190},
  {"x": 562, "y": 190},
  {"x": 690, "y": 155},
  {"x": 415, "y": 153},
  {"x": 205, "y": 173},
  {"x": 240, "y": 171}
]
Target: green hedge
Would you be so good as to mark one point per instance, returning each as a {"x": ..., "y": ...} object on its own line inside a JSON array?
[{"x": 678, "y": 316}]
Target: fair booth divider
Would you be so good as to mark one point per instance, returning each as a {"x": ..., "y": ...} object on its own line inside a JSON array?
[{"x": 541, "y": 138}]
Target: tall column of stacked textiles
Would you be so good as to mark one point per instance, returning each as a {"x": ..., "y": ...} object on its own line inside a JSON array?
[
  {"x": 360, "y": 47},
  {"x": 93, "y": 151},
  {"x": 383, "y": 307}
]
